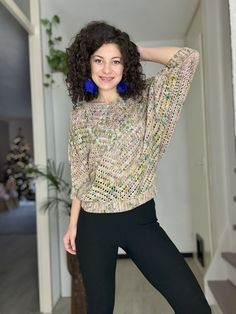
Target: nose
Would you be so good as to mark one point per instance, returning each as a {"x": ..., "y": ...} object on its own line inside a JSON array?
[{"x": 106, "y": 68}]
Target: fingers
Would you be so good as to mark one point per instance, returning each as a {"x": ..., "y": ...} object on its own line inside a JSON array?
[
  {"x": 71, "y": 251},
  {"x": 69, "y": 244},
  {"x": 72, "y": 243}
]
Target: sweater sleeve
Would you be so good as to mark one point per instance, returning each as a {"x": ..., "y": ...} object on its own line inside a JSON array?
[
  {"x": 167, "y": 91},
  {"x": 78, "y": 153}
]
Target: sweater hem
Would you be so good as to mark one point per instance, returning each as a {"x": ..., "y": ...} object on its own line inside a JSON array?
[{"x": 118, "y": 205}]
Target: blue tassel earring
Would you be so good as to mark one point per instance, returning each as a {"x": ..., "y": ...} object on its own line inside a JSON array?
[
  {"x": 121, "y": 87},
  {"x": 90, "y": 87}
]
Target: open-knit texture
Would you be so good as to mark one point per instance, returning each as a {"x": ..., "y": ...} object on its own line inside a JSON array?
[{"x": 114, "y": 148}]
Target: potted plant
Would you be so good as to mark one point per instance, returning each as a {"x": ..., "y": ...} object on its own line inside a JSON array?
[
  {"x": 61, "y": 199},
  {"x": 56, "y": 57}
]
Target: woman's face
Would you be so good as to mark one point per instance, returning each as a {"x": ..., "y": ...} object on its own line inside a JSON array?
[{"x": 107, "y": 66}]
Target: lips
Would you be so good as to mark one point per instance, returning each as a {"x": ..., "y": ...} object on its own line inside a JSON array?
[{"x": 105, "y": 78}]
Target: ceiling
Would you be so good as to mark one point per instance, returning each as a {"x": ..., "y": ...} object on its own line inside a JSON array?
[{"x": 143, "y": 20}]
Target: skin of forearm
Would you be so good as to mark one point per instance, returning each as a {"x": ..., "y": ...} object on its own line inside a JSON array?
[
  {"x": 75, "y": 209},
  {"x": 160, "y": 54}
]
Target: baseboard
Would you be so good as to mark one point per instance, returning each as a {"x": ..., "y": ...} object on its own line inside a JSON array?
[{"x": 185, "y": 254}]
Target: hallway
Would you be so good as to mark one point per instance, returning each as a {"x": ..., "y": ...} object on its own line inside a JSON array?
[
  {"x": 19, "y": 282},
  {"x": 134, "y": 294},
  {"x": 18, "y": 263},
  {"x": 18, "y": 274}
]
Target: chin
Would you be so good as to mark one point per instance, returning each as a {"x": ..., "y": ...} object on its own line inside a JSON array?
[{"x": 106, "y": 86}]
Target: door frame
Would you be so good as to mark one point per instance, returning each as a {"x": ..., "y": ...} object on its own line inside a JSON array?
[
  {"x": 32, "y": 27},
  {"x": 206, "y": 147},
  {"x": 232, "y": 7}
]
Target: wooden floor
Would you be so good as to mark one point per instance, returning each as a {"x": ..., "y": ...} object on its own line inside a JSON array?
[
  {"x": 19, "y": 282},
  {"x": 134, "y": 294},
  {"x": 18, "y": 274}
]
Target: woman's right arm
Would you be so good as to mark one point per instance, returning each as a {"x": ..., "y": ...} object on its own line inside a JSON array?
[
  {"x": 69, "y": 237},
  {"x": 77, "y": 157},
  {"x": 167, "y": 90}
]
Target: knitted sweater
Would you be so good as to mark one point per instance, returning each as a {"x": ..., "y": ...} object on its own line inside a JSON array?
[{"x": 114, "y": 148}]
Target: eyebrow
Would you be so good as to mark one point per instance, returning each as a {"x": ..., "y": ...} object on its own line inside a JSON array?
[{"x": 103, "y": 58}]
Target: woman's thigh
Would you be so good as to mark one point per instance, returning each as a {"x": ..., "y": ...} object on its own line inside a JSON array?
[
  {"x": 164, "y": 266},
  {"x": 97, "y": 256}
]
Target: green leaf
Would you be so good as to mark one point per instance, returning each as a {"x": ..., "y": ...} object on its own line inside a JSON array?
[
  {"x": 44, "y": 22},
  {"x": 56, "y": 19},
  {"x": 58, "y": 38},
  {"x": 50, "y": 42},
  {"x": 57, "y": 59},
  {"x": 49, "y": 31},
  {"x": 60, "y": 189}
]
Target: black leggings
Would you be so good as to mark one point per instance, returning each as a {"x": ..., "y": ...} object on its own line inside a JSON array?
[{"x": 139, "y": 233}]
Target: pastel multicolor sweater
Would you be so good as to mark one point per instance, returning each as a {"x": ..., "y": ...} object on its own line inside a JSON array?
[{"x": 114, "y": 148}]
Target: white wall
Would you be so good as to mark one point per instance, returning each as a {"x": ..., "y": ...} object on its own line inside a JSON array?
[
  {"x": 61, "y": 109},
  {"x": 218, "y": 86},
  {"x": 172, "y": 201},
  {"x": 57, "y": 105},
  {"x": 24, "y": 6}
]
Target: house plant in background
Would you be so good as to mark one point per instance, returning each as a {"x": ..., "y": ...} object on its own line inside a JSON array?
[
  {"x": 56, "y": 58},
  {"x": 59, "y": 199}
]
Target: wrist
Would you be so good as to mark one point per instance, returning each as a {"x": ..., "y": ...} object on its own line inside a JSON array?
[
  {"x": 72, "y": 224},
  {"x": 141, "y": 51}
]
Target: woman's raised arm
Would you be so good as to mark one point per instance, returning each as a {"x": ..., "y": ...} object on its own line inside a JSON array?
[{"x": 160, "y": 54}]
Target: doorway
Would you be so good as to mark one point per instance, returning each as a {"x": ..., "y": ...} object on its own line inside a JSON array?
[
  {"x": 19, "y": 291},
  {"x": 30, "y": 21}
]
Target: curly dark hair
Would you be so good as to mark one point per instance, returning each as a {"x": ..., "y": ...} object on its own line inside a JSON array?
[{"x": 86, "y": 42}]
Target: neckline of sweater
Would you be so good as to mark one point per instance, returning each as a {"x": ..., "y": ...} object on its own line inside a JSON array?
[{"x": 116, "y": 101}]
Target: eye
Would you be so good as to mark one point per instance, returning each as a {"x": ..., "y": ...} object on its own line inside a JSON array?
[
  {"x": 98, "y": 61},
  {"x": 116, "y": 62}
]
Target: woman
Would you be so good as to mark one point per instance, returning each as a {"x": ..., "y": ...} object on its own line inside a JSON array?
[{"x": 120, "y": 127}]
